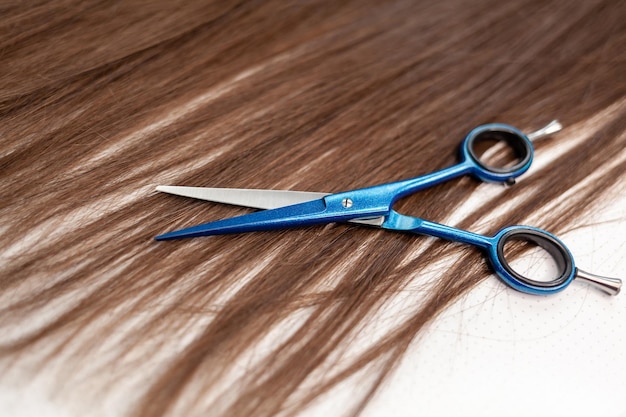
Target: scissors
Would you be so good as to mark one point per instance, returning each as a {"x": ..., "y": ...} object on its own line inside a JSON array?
[{"x": 373, "y": 206}]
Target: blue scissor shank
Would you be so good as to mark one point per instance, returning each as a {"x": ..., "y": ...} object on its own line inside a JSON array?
[
  {"x": 377, "y": 201},
  {"x": 401, "y": 222}
]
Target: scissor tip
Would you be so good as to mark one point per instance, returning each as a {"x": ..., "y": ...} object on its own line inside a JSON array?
[
  {"x": 161, "y": 237},
  {"x": 183, "y": 233},
  {"x": 168, "y": 236}
]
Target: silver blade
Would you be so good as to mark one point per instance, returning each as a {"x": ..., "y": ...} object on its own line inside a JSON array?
[
  {"x": 261, "y": 199},
  {"x": 254, "y": 198}
]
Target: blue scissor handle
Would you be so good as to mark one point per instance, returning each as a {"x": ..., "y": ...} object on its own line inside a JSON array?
[
  {"x": 557, "y": 250},
  {"x": 494, "y": 248},
  {"x": 470, "y": 163},
  {"x": 512, "y": 137}
]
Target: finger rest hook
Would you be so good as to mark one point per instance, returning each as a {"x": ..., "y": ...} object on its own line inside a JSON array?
[{"x": 608, "y": 285}]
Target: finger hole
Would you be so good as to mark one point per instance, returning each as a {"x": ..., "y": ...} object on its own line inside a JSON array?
[
  {"x": 535, "y": 258},
  {"x": 529, "y": 259},
  {"x": 500, "y": 151}
]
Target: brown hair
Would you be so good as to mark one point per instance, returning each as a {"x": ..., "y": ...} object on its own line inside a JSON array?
[{"x": 102, "y": 101}]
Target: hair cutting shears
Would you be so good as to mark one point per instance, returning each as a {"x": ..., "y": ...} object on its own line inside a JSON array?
[{"x": 373, "y": 206}]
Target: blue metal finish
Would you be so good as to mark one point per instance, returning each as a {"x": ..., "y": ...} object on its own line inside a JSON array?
[
  {"x": 400, "y": 222},
  {"x": 524, "y": 284},
  {"x": 378, "y": 201}
]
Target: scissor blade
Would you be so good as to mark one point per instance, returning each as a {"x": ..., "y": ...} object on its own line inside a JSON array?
[
  {"x": 255, "y": 198},
  {"x": 261, "y": 199},
  {"x": 303, "y": 214}
]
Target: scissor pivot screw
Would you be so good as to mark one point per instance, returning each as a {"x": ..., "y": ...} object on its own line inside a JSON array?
[{"x": 346, "y": 203}]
